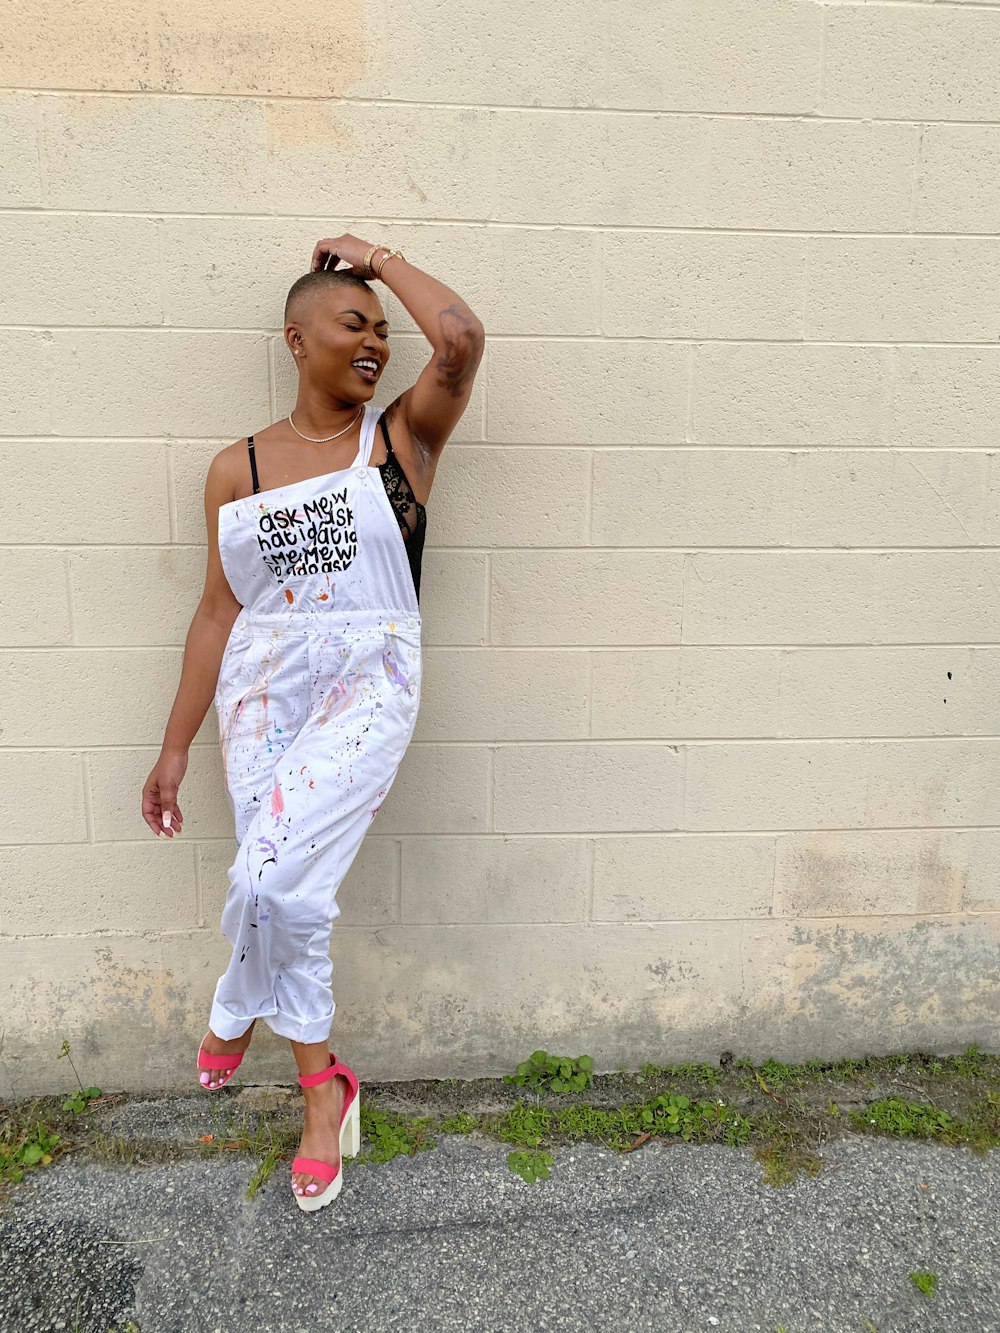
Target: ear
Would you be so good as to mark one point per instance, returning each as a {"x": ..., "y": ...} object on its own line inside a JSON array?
[{"x": 293, "y": 338}]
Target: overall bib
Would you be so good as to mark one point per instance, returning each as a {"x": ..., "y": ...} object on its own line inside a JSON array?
[{"x": 317, "y": 700}]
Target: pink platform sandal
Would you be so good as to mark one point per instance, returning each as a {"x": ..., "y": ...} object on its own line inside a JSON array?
[
  {"x": 350, "y": 1138},
  {"x": 212, "y": 1062}
]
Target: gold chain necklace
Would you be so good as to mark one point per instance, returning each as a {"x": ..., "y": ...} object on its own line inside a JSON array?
[{"x": 326, "y": 437}]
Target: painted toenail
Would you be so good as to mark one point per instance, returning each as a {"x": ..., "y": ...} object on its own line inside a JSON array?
[{"x": 310, "y": 1189}]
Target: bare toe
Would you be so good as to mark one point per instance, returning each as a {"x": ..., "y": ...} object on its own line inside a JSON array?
[{"x": 215, "y": 1078}]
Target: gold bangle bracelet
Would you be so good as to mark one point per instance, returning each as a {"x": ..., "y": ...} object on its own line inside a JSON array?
[{"x": 386, "y": 258}]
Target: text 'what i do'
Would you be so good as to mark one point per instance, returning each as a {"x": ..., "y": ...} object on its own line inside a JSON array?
[{"x": 316, "y": 537}]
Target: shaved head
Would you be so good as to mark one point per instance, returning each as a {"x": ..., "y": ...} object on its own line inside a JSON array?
[{"x": 305, "y": 290}]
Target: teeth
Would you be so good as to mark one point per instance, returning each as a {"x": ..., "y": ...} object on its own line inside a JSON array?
[{"x": 367, "y": 365}]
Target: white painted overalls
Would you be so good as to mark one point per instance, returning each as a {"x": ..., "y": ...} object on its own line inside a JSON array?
[{"x": 317, "y": 700}]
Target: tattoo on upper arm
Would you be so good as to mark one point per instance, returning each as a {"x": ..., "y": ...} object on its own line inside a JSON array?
[{"x": 459, "y": 360}]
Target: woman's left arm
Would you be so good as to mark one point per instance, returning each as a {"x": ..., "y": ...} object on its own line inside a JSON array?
[{"x": 435, "y": 402}]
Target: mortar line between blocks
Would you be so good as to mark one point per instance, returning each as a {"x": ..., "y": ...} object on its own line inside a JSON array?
[
  {"x": 983, "y": 740},
  {"x": 821, "y": 71},
  {"x": 600, "y": 283},
  {"x": 173, "y": 520},
  {"x": 535, "y": 339},
  {"x": 588, "y": 509},
  {"x": 692, "y": 551},
  {"x": 918, "y": 155},
  {"x": 590, "y": 695},
  {"x": 199, "y": 888},
  {"x": 398, "y": 904},
  {"x": 88, "y": 800},
  {"x": 589, "y": 858},
  {"x": 493, "y": 108},
  {"x": 67, "y": 557},
  {"x": 161, "y": 277},
  {"x": 488, "y": 599},
  {"x": 272, "y": 391},
  {"x": 608, "y": 923},
  {"x": 484, "y": 423}
]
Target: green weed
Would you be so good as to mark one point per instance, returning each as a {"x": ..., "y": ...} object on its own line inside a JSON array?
[
  {"x": 925, "y": 1282},
  {"x": 553, "y": 1073},
  {"x": 77, "y": 1101},
  {"x": 531, "y": 1166},
  {"x": 391, "y": 1135}
]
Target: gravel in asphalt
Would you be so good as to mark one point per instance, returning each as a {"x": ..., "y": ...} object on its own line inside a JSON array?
[{"x": 673, "y": 1237}]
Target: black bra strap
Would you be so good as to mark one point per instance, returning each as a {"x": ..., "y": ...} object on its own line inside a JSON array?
[
  {"x": 385, "y": 432},
  {"x": 253, "y": 464},
  {"x": 399, "y": 467}
]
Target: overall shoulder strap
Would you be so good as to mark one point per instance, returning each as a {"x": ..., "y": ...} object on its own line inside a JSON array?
[{"x": 367, "y": 435}]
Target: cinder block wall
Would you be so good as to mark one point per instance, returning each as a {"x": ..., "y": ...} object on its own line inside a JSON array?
[{"x": 708, "y": 755}]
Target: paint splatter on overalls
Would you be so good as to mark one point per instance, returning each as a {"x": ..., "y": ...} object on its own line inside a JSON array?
[{"x": 317, "y": 700}]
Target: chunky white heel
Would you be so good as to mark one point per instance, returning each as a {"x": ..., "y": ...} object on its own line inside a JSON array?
[{"x": 350, "y": 1131}]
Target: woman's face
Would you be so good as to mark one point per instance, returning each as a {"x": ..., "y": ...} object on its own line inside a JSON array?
[{"x": 342, "y": 326}]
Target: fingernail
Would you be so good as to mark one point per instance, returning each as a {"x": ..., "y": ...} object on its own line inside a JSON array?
[{"x": 166, "y": 818}]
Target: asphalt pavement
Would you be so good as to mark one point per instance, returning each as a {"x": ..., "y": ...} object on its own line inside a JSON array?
[{"x": 672, "y": 1237}]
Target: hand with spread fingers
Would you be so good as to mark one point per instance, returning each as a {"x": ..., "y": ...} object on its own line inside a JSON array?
[{"x": 328, "y": 253}]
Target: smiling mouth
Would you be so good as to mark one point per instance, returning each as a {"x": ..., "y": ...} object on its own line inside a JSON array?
[{"x": 366, "y": 373}]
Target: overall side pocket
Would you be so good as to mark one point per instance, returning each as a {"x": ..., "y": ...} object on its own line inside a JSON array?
[{"x": 401, "y": 661}]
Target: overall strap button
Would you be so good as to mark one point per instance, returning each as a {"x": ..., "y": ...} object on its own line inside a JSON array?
[{"x": 361, "y": 471}]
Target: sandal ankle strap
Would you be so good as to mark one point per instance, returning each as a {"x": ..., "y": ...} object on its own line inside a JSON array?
[{"x": 310, "y": 1080}]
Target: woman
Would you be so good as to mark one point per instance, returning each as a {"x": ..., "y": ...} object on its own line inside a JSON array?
[{"x": 308, "y": 632}]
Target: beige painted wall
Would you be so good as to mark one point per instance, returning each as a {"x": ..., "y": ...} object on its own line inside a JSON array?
[{"x": 707, "y": 757}]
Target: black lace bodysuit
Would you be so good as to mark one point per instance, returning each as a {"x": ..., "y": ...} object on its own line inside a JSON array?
[{"x": 411, "y": 515}]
